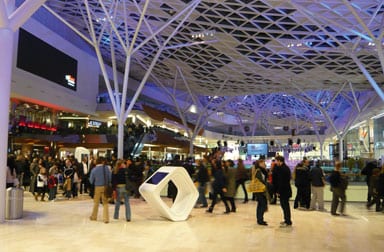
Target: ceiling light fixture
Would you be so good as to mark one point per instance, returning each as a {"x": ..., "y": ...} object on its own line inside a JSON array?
[
  {"x": 378, "y": 116},
  {"x": 193, "y": 109},
  {"x": 372, "y": 44},
  {"x": 102, "y": 19},
  {"x": 203, "y": 34},
  {"x": 300, "y": 43}
]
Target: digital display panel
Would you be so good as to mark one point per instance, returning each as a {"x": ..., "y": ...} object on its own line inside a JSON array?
[
  {"x": 94, "y": 124},
  {"x": 39, "y": 58},
  {"x": 157, "y": 177},
  {"x": 257, "y": 149}
]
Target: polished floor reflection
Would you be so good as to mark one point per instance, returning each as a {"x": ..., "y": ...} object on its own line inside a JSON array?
[{"x": 64, "y": 225}]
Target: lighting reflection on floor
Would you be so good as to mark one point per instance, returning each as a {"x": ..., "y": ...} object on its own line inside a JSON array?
[{"x": 64, "y": 225}]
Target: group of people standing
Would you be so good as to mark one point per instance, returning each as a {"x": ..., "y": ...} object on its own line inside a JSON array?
[
  {"x": 125, "y": 177},
  {"x": 226, "y": 179},
  {"x": 310, "y": 184},
  {"x": 309, "y": 181},
  {"x": 69, "y": 175}
]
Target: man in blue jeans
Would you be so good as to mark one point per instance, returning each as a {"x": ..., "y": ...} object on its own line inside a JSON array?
[{"x": 282, "y": 184}]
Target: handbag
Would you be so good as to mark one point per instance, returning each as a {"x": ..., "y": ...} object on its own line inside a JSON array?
[
  {"x": 67, "y": 186},
  {"x": 256, "y": 186},
  {"x": 40, "y": 181},
  {"x": 108, "y": 190}
]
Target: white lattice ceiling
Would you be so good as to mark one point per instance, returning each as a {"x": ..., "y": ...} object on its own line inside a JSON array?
[{"x": 272, "y": 63}]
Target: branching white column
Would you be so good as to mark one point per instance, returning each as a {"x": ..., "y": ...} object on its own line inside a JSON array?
[
  {"x": 324, "y": 112},
  {"x": 108, "y": 27}
]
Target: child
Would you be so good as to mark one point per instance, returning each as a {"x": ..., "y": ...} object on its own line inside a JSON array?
[
  {"x": 41, "y": 183},
  {"x": 52, "y": 185}
]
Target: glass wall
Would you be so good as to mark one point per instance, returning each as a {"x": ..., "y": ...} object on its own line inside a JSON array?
[{"x": 379, "y": 138}]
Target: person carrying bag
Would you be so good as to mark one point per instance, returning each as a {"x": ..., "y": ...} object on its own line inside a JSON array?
[
  {"x": 259, "y": 188},
  {"x": 100, "y": 177},
  {"x": 255, "y": 185}
]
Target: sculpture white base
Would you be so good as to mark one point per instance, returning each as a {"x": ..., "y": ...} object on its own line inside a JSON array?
[{"x": 186, "y": 197}]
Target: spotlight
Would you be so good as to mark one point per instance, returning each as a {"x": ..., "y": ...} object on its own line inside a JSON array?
[{"x": 203, "y": 34}]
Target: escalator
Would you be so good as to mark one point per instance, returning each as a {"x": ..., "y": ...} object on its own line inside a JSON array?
[{"x": 133, "y": 145}]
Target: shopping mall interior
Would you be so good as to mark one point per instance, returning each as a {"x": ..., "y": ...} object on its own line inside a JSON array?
[{"x": 155, "y": 79}]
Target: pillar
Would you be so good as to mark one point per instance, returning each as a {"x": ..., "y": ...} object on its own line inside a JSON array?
[{"x": 6, "y": 49}]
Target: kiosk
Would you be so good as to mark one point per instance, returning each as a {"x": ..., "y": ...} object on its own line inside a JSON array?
[
  {"x": 186, "y": 197},
  {"x": 80, "y": 152}
]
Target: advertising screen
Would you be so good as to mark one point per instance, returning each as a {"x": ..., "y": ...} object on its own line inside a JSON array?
[
  {"x": 39, "y": 58},
  {"x": 257, "y": 149}
]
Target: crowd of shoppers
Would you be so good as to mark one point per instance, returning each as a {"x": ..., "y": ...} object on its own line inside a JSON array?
[{"x": 217, "y": 179}]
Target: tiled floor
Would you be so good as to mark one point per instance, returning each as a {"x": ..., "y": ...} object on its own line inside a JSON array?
[{"x": 64, "y": 226}]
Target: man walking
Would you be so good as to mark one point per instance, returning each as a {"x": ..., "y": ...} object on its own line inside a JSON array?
[{"x": 282, "y": 184}]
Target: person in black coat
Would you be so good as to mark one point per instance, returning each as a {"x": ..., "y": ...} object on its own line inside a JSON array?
[
  {"x": 374, "y": 190},
  {"x": 338, "y": 186},
  {"x": 136, "y": 170},
  {"x": 303, "y": 185},
  {"x": 367, "y": 171},
  {"x": 202, "y": 178},
  {"x": 282, "y": 185},
  {"x": 380, "y": 189},
  {"x": 219, "y": 187}
]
